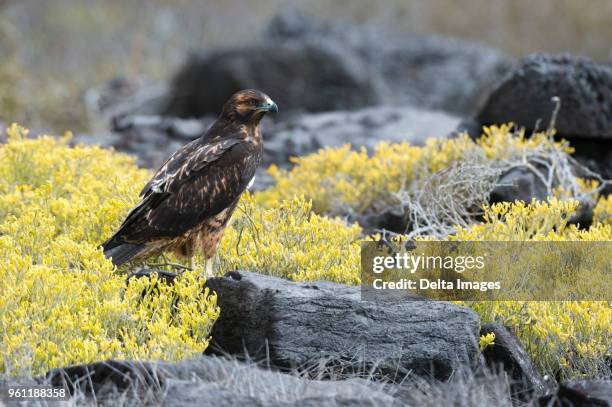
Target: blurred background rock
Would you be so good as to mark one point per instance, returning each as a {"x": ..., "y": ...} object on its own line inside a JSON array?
[{"x": 53, "y": 51}]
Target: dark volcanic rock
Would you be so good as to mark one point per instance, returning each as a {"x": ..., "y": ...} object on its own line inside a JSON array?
[
  {"x": 296, "y": 325},
  {"x": 585, "y": 117},
  {"x": 508, "y": 352},
  {"x": 522, "y": 184},
  {"x": 524, "y": 97},
  {"x": 394, "y": 219},
  {"x": 596, "y": 155},
  {"x": 151, "y": 139},
  {"x": 580, "y": 393},
  {"x": 584, "y": 215},
  {"x": 308, "y": 65},
  {"x": 298, "y": 75},
  {"x": 210, "y": 381},
  {"x": 518, "y": 183}
]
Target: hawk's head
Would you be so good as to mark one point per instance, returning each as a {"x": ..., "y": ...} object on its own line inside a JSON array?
[{"x": 248, "y": 106}]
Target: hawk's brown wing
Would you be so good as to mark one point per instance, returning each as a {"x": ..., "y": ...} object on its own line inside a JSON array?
[
  {"x": 195, "y": 183},
  {"x": 189, "y": 159}
]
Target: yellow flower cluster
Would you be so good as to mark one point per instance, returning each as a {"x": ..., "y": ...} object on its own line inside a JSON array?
[
  {"x": 61, "y": 301},
  {"x": 568, "y": 338},
  {"x": 500, "y": 143},
  {"x": 341, "y": 180},
  {"x": 289, "y": 240},
  {"x": 338, "y": 180},
  {"x": 603, "y": 210},
  {"x": 546, "y": 221},
  {"x": 486, "y": 340}
]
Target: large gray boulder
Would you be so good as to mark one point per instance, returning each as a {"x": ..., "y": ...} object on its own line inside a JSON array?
[
  {"x": 508, "y": 354},
  {"x": 309, "y": 75},
  {"x": 524, "y": 96},
  {"x": 305, "y": 64},
  {"x": 584, "y": 118},
  {"x": 299, "y": 325}
]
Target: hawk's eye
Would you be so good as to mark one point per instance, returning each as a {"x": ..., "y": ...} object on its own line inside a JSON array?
[{"x": 253, "y": 102}]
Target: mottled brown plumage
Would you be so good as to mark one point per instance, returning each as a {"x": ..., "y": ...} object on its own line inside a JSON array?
[{"x": 190, "y": 199}]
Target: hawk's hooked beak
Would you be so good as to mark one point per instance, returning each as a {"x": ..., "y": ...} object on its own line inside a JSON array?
[{"x": 269, "y": 106}]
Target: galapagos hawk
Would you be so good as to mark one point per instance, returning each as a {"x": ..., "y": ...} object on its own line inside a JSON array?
[{"x": 190, "y": 199}]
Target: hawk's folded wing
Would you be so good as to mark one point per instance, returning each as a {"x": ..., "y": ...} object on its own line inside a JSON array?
[{"x": 198, "y": 181}]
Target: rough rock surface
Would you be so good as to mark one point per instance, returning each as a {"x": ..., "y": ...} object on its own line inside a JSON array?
[
  {"x": 296, "y": 325},
  {"x": 524, "y": 96},
  {"x": 508, "y": 353},
  {"x": 314, "y": 66},
  {"x": 585, "y": 117},
  {"x": 518, "y": 183},
  {"x": 580, "y": 393}
]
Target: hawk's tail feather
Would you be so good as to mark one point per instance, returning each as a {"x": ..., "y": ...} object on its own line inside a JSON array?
[{"x": 123, "y": 253}]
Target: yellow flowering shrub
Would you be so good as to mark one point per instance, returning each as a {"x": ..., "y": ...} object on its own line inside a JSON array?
[
  {"x": 61, "y": 301},
  {"x": 520, "y": 221},
  {"x": 500, "y": 143},
  {"x": 603, "y": 210},
  {"x": 568, "y": 338},
  {"x": 338, "y": 180},
  {"x": 544, "y": 221},
  {"x": 341, "y": 180},
  {"x": 289, "y": 240}
]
